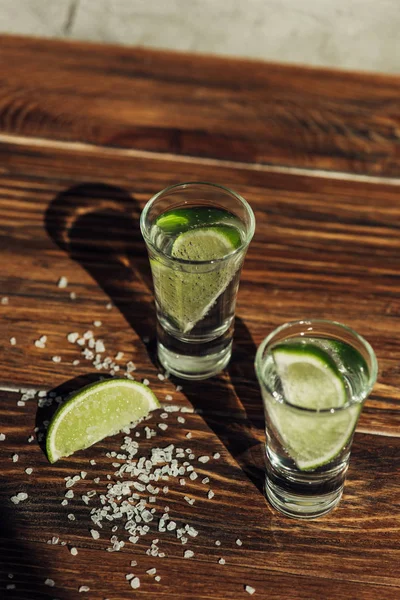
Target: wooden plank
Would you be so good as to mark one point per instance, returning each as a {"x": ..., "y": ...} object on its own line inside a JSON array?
[
  {"x": 200, "y": 106},
  {"x": 309, "y": 555},
  {"x": 323, "y": 248},
  {"x": 189, "y": 579}
]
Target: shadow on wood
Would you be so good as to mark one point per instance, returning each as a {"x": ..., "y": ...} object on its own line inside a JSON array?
[
  {"x": 98, "y": 226},
  {"x": 231, "y": 405},
  {"x": 18, "y": 566}
]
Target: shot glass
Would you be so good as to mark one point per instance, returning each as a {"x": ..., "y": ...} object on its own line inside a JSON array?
[
  {"x": 314, "y": 376},
  {"x": 197, "y": 235}
]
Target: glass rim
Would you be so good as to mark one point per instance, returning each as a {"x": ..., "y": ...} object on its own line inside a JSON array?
[
  {"x": 372, "y": 375},
  {"x": 183, "y": 261}
]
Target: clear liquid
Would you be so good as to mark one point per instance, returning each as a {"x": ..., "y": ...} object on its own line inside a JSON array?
[
  {"x": 195, "y": 300},
  {"x": 294, "y": 490}
]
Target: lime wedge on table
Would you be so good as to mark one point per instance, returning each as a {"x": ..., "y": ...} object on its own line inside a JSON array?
[
  {"x": 311, "y": 380},
  {"x": 95, "y": 412},
  {"x": 186, "y": 293}
]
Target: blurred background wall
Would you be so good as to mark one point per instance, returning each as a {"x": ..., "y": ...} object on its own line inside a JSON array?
[{"x": 349, "y": 34}]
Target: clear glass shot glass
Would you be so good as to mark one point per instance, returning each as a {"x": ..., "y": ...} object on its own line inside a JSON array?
[
  {"x": 197, "y": 235},
  {"x": 314, "y": 376}
]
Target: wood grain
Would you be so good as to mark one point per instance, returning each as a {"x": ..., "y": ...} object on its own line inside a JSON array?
[
  {"x": 200, "y": 106},
  {"x": 309, "y": 555},
  {"x": 325, "y": 246}
]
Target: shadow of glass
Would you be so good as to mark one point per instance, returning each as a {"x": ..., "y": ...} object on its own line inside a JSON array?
[
  {"x": 231, "y": 405},
  {"x": 98, "y": 226}
]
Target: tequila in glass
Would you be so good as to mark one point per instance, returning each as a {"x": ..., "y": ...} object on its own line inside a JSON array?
[
  {"x": 314, "y": 376},
  {"x": 197, "y": 236}
]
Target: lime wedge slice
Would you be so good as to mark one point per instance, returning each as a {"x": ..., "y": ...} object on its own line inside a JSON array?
[
  {"x": 311, "y": 380},
  {"x": 206, "y": 243},
  {"x": 97, "y": 411},
  {"x": 186, "y": 292}
]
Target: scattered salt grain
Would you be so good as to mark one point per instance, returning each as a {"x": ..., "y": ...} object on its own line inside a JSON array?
[
  {"x": 15, "y": 458},
  {"x": 119, "y": 356},
  {"x": 72, "y": 337},
  {"x": 250, "y": 590},
  {"x": 188, "y": 435},
  {"x": 10, "y": 586},
  {"x": 210, "y": 494},
  {"x": 239, "y": 542},
  {"x": 92, "y": 462},
  {"x": 84, "y": 588},
  {"x": 217, "y": 543},
  {"x": 133, "y": 563},
  {"x": 161, "y": 377},
  {"x": 205, "y": 480},
  {"x": 216, "y": 455},
  {"x": 13, "y": 341},
  {"x": 4, "y": 300},
  {"x": 74, "y": 551},
  {"x": 146, "y": 382},
  {"x": 75, "y": 362},
  {"x": 109, "y": 306},
  {"x": 50, "y": 582},
  {"x": 72, "y": 296},
  {"x": 62, "y": 282},
  {"x": 99, "y": 346},
  {"x": 2, "y": 437},
  {"x": 56, "y": 359},
  {"x": 163, "y": 426},
  {"x": 135, "y": 583},
  {"x": 152, "y": 571},
  {"x": 168, "y": 397},
  {"x": 222, "y": 561},
  {"x": 181, "y": 420},
  {"x": 64, "y": 502},
  {"x": 29, "y": 471},
  {"x": 203, "y": 459},
  {"x": 188, "y": 554},
  {"x": 71, "y": 517},
  {"x": 157, "y": 578},
  {"x": 97, "y": 323}
]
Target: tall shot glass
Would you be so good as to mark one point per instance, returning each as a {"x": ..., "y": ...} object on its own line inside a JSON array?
[
  {"x": 197, "y": 235},
  {"x": 314, "y": 376}
]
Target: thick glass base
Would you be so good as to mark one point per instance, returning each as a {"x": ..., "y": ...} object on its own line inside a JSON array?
[
  {"x": 192, "y": 367},
  {"x": 301, "y": 506}
]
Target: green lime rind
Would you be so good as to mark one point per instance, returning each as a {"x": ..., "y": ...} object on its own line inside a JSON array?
[
  {"x": 185, "y": 293},
  {"x": 178, "y": 220},
  {"x": 349, "y": 357},
  {"x": 315, "y": 423},
  {"x": 97, "y": 411}
]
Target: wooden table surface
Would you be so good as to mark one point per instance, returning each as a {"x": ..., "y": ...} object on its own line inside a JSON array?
[{"x": 88, "y": 133}]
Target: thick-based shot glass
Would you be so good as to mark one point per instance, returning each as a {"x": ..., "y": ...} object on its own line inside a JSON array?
[
  {"x": 314, "y": 376},
  {"x": 197, "y": 235}
]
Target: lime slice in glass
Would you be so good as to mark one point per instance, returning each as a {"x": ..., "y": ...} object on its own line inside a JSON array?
[
  {"x": 311, "y": 381},
  {"x": 181, "y": 219},
  {"x": 97, "y": 411},
  {"x": 185, "y": 293}
]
